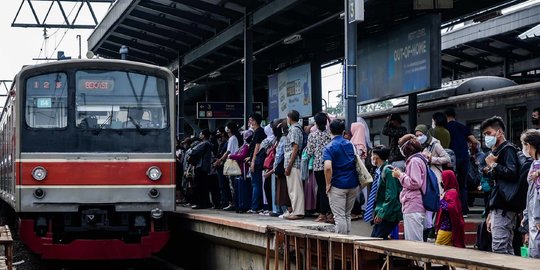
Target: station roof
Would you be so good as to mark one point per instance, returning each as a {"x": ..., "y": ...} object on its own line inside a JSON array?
[
  {"x": 483, "y": 47},
  {"x": 205, "y": 36}
]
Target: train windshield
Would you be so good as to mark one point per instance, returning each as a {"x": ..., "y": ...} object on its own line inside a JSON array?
[
  {"x": 46, "y": 101},
  {"x": 120, "y": 100}
]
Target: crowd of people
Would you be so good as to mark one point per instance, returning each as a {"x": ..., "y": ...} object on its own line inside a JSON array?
[{"x": 288, "y": 170}]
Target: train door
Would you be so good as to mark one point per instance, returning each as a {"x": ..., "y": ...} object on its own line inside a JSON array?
[{"x": 516, "y": 123}]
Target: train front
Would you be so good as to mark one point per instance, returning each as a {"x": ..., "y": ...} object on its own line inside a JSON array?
[{"x": 96, "y": 160}]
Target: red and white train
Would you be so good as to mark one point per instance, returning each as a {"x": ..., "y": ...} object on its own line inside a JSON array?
[{"x": 87, "y": 158}]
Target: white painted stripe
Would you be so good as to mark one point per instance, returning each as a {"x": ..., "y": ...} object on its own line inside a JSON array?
[
  {"x": 96, "y": 186},
  {"x": 44, "y": 160}
]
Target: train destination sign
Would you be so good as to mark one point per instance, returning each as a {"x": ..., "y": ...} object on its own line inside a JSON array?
[
  {"x": 96, "y": 84},
  {"x": 225, "y": 110},
  {"x": 403, "y": 61}
]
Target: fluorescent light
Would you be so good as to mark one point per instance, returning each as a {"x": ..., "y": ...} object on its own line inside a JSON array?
[{"x": 292, "y": 39}]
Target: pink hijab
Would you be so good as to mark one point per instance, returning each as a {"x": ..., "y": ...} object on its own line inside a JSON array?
[{"x": 359, "y": 137}]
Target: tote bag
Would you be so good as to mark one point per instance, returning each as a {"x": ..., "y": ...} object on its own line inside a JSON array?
[{"x": 231, "y": 168}]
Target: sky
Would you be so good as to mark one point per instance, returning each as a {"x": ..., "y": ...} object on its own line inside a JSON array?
[{"x": 20, "y": 45}]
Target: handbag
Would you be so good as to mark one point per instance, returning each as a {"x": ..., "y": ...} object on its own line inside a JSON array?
[
  {"x": 190, "y": 171},
  {"x": 231, "y": 168},
  {"x": 304, "y": 166},
  {"x": 364, "y": 177},
  {"x": 270, "y": 157}
]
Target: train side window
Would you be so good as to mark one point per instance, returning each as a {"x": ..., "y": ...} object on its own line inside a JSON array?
[
  {"x": 516, "y": 123},
  {"x": 46, "y": 101}
]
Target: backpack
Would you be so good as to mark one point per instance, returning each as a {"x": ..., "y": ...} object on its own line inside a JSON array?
[
  {"x": 304, "y": 140},
  {"x": 483, "y": 237},
  {"x": 452, "y": 164},
  {"x": 431, "y": 198},
  {"x": 516, "y": 194},
  {"x": 270, "y": 157}
]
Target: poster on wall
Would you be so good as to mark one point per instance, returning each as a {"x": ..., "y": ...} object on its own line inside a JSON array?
[{"x": 290, "y": 90}]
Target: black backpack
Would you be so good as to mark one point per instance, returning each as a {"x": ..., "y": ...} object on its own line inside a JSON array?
[
  {"x": 483, "y": 237},
  {"x": 304, "y": 141},
  {"x": 516, "y": 193}
]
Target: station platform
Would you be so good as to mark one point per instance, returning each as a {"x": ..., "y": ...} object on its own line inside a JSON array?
[{"x": 216, "y": 239}]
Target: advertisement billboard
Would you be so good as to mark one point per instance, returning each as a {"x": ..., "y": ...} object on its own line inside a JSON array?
[
  {"x": 399, "y": 62},
  {"x": 290, "y": 89}
]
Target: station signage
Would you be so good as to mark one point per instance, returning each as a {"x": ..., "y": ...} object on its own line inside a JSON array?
[
  {"x": 288, "y": 90},
  {"x": 225, "y": 110},
  {"x": 356, "y": 11},
  {"x": 399, "y": 62}
]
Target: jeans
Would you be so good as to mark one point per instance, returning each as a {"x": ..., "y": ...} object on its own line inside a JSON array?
[
  {"x": 502, "y": 231},
  {"x": 341, "y": 203},
  {"x": 383, "y": 229},
  {"x": 461, "y": 174},
  {"x": 257, "y": 192}
]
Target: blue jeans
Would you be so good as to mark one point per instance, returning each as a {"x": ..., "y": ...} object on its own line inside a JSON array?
[
  {"x": 383, "y": 229},
  {"x": 257, "y": 192}
]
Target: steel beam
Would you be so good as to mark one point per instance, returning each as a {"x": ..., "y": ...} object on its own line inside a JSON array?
[
  {"x": 506, "y": 23},
  {"x": 169, "y": 44},
  {"x": 234, "y": 31},
  {"x": 202, "y": 5},
  {"x": 188, "y": 29},
  {"x": 179, "y": 37},
  {"x": 116, "y": 14},
  {"x": 512, "y": 68},
  {"x": 173, "y": 11}
]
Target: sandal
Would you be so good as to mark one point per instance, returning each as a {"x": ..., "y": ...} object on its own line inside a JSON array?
[{"x": 321, "y": 218}]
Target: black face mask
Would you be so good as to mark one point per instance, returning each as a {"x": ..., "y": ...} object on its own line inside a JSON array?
[{"x": 535, "y": 121}]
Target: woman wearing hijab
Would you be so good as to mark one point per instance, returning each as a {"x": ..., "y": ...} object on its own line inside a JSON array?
[
  {"x": 450, "y": 224},
  {"x": 436, "y": 156},
  {"x": 268, "y": 179},
  {"x": 433, "y": 151},
  {"x": 413, "y": 181}
]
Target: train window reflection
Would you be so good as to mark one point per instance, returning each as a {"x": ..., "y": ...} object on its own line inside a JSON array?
[
  {"x": 46, "y": 101},
  {"x": 120, "y": 100}
]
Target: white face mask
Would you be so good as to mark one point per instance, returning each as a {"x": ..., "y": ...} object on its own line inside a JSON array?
[
  {"x": 401, "y": 151},
  {"x": 491, "y": 140},
  {"x": 433, "y": 124},
  {"x": 374, "y": 161},
  {"x": 421, "y": 139}
]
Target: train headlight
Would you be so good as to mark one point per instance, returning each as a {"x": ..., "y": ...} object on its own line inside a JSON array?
[
  {"x": 39, "y": 173},
  {"x": 156, "y": 213},
  {"x": 154, "y": 173}
]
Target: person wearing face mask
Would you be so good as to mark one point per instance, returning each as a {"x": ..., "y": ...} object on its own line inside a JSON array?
[
  {"x": 433, "y": 151},
  {"x": 530, "y": 140},
  {"x": 383, "y": 208},
  {"x": 437, "y": 157},
  {"x": 413, "y": 181},
  {"x": 535, "y": 118},
  {"x": 503, "y": 169}
]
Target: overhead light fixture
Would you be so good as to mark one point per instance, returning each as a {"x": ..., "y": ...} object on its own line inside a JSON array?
[
  {"x": 214, "y": 74},
  {"x": 243, "y": 60},
  {"x": 292, "y": 39}
]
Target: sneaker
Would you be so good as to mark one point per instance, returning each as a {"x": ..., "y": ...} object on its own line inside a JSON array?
[
  {"x": 229, "y": 208},
  {"x": 251, "y": 211},
  {"x": 264, "y": 213},
  {"x": 284, "y": 215},
  {"x": 274, "y": 214}
]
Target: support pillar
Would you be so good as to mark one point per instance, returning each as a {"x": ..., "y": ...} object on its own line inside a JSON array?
[
  {"x": 248, "y": 68},
  {"x": 180, "y": 104},
  {"x": 350, "y": 68},
  {"x": 413, "y": 107},
  {"x": 316, "y": 86}
]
